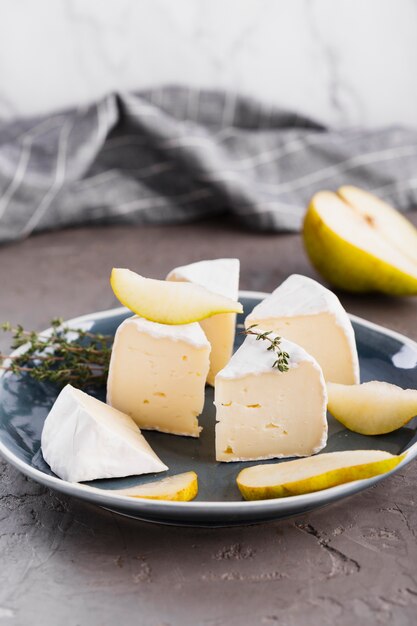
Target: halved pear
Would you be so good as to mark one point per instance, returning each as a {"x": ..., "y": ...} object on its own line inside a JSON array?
[
  {"x": 314, "y": 473},
  {"x": 372, "y": 408},
  {"x": 168, "y": 302},
  {"x": 181, "y": 487},
  {"x": 393, "y": 226},
  {"x": 359, "y": 243}
]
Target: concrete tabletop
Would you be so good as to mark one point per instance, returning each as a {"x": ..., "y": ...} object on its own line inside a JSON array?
[{"x": 63, "y": 562}]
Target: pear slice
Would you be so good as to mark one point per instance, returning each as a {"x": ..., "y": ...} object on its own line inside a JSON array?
[
  {"x": 359, "y": 243},
  {"x": 314, "y": 473},
  {"x": 372, "y": 408},
  {"x": 181, "y": 487},
  {"x": 168, "y": 302}
]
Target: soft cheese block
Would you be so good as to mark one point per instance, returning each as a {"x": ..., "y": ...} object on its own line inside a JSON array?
[
  {"x": 157, "y": 374},
  {"x": 85, "y": 439},
  {"x": 307, "y": 313},
  {"x": 263, "y": 413},
  {"x": 219, "y": 276}
]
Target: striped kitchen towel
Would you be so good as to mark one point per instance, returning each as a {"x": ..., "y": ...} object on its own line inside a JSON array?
[{"x": 173, "y": 155}]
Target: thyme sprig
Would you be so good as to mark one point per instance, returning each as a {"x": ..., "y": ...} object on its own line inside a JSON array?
[
  {"x": 66, "y": 355},
  {"x": 281, "y": 362}
]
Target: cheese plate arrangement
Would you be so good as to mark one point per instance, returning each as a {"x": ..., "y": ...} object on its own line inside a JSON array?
[{"x": 199, "y": 404}]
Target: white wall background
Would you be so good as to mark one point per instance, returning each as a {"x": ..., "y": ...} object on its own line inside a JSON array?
[{"x": 341, "y": 61}]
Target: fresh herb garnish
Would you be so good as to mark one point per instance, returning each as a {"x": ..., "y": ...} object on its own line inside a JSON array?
[
  {"x": 281, "y": 362},
  {"x": 66, "y": 355}
]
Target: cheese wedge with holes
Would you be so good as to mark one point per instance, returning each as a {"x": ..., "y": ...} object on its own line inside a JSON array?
[
  {"x": 263, "y": 413},
  {"x": 157, "y": 375},
  {"x": 85, "y": 439},
  {"x": 307, "y": 313},
  {"x": 219, "y": 276}
]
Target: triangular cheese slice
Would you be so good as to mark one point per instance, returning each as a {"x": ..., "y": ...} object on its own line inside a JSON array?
[
  {"x": 157, "y": 374},
  {"x": 307, "y": 313},
  {"x": 85, "y": 439},
  {"x": 220, "y": 276},
  {"x": 263, "y": 413}
]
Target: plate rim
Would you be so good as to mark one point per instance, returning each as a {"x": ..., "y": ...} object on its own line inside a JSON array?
[{"x": 103, "y": 497}]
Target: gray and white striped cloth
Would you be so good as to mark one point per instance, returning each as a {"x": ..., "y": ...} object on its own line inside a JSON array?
[{"x": 175, "y": 155}]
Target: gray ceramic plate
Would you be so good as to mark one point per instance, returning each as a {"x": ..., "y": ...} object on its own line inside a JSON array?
[{"x": 24, "y": 404}]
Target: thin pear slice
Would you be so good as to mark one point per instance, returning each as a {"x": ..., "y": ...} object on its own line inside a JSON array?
[
  {"x": 354, "y": 246},
  {"x": 372, "y": 408},
  {"x": 314, "y": 473},
  {"x": 181, "y": 487},
  {"x": 168, "y": 302}
]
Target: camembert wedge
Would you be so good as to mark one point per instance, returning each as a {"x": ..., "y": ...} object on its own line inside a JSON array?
[
  {"x": 220, "y": 276},
  {"x": 304, "y": 311},
  {"x": 263, "y": 413},
  {"x": 85, "y": 439},
  {"x": 157, "y": 375}
]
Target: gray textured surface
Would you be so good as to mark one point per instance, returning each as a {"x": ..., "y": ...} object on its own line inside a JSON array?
[{"x": 64, "y": 562}]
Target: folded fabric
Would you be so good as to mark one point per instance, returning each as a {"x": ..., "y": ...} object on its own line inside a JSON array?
[{"x": 174, "y": 155}]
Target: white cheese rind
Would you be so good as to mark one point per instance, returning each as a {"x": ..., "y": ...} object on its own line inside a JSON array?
[
  {"x": 85, "y": 439},
  {"x": 188, "y": 333},
  {"x": 311, "y": 315},
  {"x": 253, "y": 357},
  {"x": 263, "y": 413},
  {"x": 219, "y": 276},
  {"x": 157, "y": 375}
]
